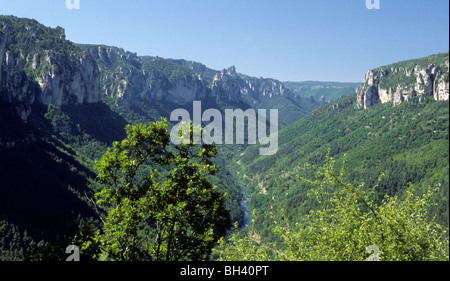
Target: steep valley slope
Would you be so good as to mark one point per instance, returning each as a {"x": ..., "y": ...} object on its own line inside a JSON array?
[
  {"x": 62, "y": 104},
  {"x": 397, "y": 123}
]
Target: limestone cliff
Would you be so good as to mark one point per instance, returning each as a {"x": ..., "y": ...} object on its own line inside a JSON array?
[
  {"x": 265, "y": 87},
  {"x": 38, "y": 64},
  {"x": 76, "y": 83},
  {"x": 228, "y": 85},
  {"x": 406, "y": 81},
  {"x": 129, "y": 78}
]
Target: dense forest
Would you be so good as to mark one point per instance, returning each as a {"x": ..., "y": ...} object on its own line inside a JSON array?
[
  {"x": 58, "y": 161},
  {"x": 412, "y": 147},
  {"x": 408, "y": 143},
  {"x": 347, "y": 224}
]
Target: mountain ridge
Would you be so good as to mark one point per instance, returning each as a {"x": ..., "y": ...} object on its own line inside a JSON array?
[{"x": 49, "y": 69}]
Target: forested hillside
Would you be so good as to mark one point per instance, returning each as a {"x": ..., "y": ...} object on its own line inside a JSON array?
[{"x": 407, "y": 142}]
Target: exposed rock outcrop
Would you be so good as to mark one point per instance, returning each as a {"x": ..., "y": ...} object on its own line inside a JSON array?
[
  {"x": 406, "y": 81},
  {"x": 15, "y": 88},
  {"x": 50, "y": 71},
  {"x": 265, "y": 87},
  {"x": 76, "y": 83},
  {"x": 226, "y": 85},
  {"x": 129, "y": 78},
  {"x": 126, "y": 77},
  {"x": 41, "y": 66}
]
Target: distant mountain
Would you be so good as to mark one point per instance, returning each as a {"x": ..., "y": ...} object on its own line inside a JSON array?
[
  {"x": 322, "y": 91},
  {"x": 134, "y": 81}
]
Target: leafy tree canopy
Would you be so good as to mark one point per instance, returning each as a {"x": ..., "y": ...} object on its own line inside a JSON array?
[
  {"x": 178, "y": 216},
  {"x": 350, "y": 226}
]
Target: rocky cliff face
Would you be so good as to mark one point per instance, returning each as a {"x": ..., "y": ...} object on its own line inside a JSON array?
[
  {"x": 227, "y": 85},
  {"x": 126, "y": 76},
  {"x": 406, "y": 81},
  {"x": 15, "y": 88},
  {"x": 76, "y": 83},
  {"x": 129, "y": 78},
  {"x": 265, "y": 87},
  {"x": 38, "y": 64}
]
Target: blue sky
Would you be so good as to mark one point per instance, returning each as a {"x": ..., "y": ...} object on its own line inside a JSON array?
[{"x": 296, "y": 40}]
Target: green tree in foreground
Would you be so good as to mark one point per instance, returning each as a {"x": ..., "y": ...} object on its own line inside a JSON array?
[
  {"x": 178, "y": 216},
  {"x": 350, "y": 226}
]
